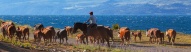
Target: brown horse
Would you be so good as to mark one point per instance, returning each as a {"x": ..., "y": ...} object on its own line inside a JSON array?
[
  {"x": 154, "y": 34},
  {"x": 11, "y": 31},
  {"x": 124, "y": 34},
  {"x": 137, "y": 33},
  {"x": 82, "y": 27},
  {"x": 22, "y": 31},
  {"x": 80, "y": 38},
  {"x": 69, "y": 30},
  {"x": 53, "y": 32},
  {"x": 38, "y": 26},
  {"x": 97, "y": 33},
  {"x": 37, "y": 35},
  {"x": 103, "y": 34},
  {"x": 48, "y": 32},
  {"x": 171, "y": 35},
  {"x": 5, "y": 26},
  {"x": 62, "y": 34},
  {"x": 110, "y": 33},
  {"x": 47, "y": 35},
  {"x": 162, "y": 36}
]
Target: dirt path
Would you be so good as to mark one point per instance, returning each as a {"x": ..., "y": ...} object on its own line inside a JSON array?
[{"x": 139, "y": 47}]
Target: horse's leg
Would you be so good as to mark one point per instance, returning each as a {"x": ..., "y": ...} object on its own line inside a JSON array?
[
  {"x": 25, "y": 37},
  {"x": 4, "y": 35},
  {"x": 150, "y": 39},
  {"x": 28, "y": 35},
  {"x": 122, "y": 41},
  {"x": 60, "y": 40},
  {"x": 135, "y": 38},
  {"x": 35, "y": 38},
  {"x": 112, "y": 40},
  {"x": 66, "y": 39},
  {"x": 169, "y": 39},
  {"x": 107, "y": 39},
  {"x": 140, "y": 38},
  {"x": 161, "y": 40},
  {"x": 86, "y": 39},
  {"x": 83, "y": 40}
]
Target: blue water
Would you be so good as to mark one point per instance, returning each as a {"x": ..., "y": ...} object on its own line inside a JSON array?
[{"x": 180, "y": 23}]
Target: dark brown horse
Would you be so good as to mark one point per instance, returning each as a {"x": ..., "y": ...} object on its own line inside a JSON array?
[
  {"x": 11, "y": 31},
  {"x": 98, "y": 33},
  {"x": 62, "y": 34},
  {"x": 38, "y": 26},
  {"x": 162, "y": 36},
  {"x": 110, "y": 33},
  {"x": 82, "y": 27},
  {"x": 53, "y": 32},
  {"x": 22, "y": 31}
]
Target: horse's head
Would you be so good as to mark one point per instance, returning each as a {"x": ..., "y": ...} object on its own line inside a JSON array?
[
  {"x": 68, "y": 29},
  {"x": 147, "y": 32},
  {"x": 132, "y": 33},
  {"x": 78, "y": 25},
  {"x": 38, "y": 27},
  {"x": 166, "y": 33}
]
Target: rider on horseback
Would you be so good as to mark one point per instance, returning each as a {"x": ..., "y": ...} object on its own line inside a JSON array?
[{"x": 92, "y": 21}]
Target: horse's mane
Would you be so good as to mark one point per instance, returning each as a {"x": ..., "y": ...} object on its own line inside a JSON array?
[{"x": 78, "y": 23}]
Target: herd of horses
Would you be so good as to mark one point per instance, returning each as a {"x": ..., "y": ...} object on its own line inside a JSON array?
[{"x": 97, "y": 35}]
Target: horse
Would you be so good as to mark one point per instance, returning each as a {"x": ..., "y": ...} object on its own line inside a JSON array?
[
  {"x": 171, "y": 33},
  {"x": 5, "y": 28},
  {"x": 99, "y": 32},
  {"x": 48, "y": 32},
  {"x": 38, "y": 26},
  {"x": 135, "y": 34},
  {"x": 22, "y": 31},
  {"x": 124, "y": 34},
  {"x": 162, "y": 36},
  {"x": 47, "y": 35},
  {"x": 53, "y": 32},
  {"x": 68, "y": 29},
  {"x": 82, "y": 27},
  {"x": 62, "y": 34},
  {"x": 37, "y": 35},
  {"x": 109, "y": 32},
  {"x": 154, "y": 34},
  {"x": 80, "y": 38}
]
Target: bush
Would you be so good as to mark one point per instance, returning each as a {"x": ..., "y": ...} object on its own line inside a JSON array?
[{"x": 115, "y": 26}]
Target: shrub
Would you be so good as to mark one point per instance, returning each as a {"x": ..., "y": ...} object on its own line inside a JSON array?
[{"x": 115, "y": 26}]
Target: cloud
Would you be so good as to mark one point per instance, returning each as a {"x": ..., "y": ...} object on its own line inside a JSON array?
[
  {"x": 77, "y": 7},
  {"x": 83, "y": 4},
  {"x": 153, "y": 2},
  {"x": 73, "y": 7}
]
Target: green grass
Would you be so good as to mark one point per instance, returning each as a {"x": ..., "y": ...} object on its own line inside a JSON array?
[{"x": 17, "y": 43}]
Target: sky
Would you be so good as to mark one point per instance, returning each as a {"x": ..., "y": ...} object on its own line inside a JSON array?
[{"x": 99, "y": 7}]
